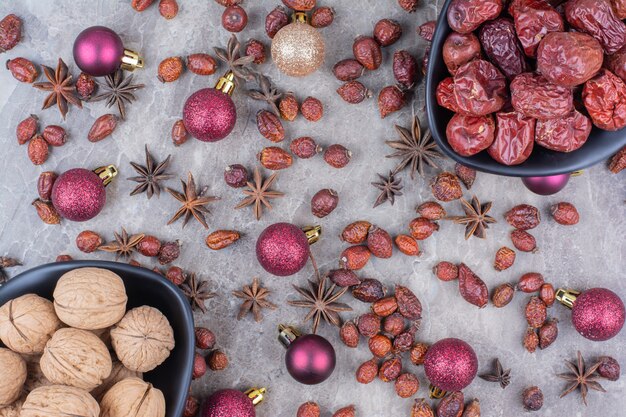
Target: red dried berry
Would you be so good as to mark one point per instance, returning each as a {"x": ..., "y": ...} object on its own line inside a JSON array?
[
  {"x": 322, "y": 17},
  {"x": 565, "y": 214},
  {"x": 523, "y": 241},
  {"x": 505, "y": 257},
  {"x": 337, "y": 156},
  {"x": 22, "y": 70},
  {"x": 353, "y": 92},
  {"x": 88, "y": 241},
  {"x": 170, "y": 251},
  {"x": 446, "y": 271},
  {"x": 27, "y": 128},
  {"x": 179, "y": 133},
  {"x": 234, "y": 18},
  {"x": 312, "y": 109},
  {"x": 236, "y": 176},
  {"x": 176, "y": 276},
  {"x": 421, "y": 228},
  {"x": 54, "y": 135},
  {"x": 348, "y": 69},
  {"x": 149, "y": 246},
  {"x": 256, "y": 49},
  {"x": 324, "y": 202},
  {"x": 390, "y": 100},
  {"x": 275, "y": 21},
  {"x": 304, "y": 147}
]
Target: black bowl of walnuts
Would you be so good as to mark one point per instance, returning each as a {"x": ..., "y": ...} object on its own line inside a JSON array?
[{"x": 528, "y": 87}]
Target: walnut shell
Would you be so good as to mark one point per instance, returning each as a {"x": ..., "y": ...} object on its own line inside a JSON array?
[
  {"x": 12, "y": 376},
  {"x": 143, "y": 339},
  {"x": 34, "y": 375},
  {"x": 27, "y": 323},
  {"x": 118, "y": 373},
  {"x": 132, "y": 397},
  {"x": 60, "y": 401},
  {"x": 90, "y": 298},
  {"x": 12, "y": 410},
  {"x": 77, "y": 358}
]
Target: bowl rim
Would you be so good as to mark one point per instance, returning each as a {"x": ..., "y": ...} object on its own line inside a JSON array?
[
  {"x": 490, "y": 166},
  {"x": 153, "y": 277}
]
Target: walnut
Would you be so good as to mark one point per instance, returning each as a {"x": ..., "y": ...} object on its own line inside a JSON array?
[
  {"x": 90, "y": 298},
  {"x": 34, "y": 375},
  {"x": 60, "y": 401},
  {"x": 132, "y": 397},
  {"x": 27, "y": 323},
  {"x": 143, "y": 339},
  {"x": 77, "y": 358},
  {"x": 12, "y": 410},
  {"x": 118, "y": 373},
  {"x": 12, "y": 376}
]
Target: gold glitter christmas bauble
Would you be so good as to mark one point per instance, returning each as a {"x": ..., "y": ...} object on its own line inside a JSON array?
[{"x": 298, "y": 49}]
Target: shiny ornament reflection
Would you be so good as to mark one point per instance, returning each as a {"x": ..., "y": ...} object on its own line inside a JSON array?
[
  {"x": 546, "y": 185},
  {"x": 310, "y": 359},
  {"x": 298, "y": 48},
  {"x": 99, "y": 51}
]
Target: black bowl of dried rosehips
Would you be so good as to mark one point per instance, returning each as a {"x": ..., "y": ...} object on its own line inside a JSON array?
[{"x": 528, "y": 87}]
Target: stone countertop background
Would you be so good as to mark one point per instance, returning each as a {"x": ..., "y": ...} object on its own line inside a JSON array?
[{"x": 586, "y": 255}]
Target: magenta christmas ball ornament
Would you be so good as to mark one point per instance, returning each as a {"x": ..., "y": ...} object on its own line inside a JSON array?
[
  {"x": 233, "y": 403},
  {"x": 99, "y": 51},
  {"x": 282, "y": 249},
  {"x": 546, "y": 185},
  {"x": 450, "y": 365},
  {"x": 310, "y": 359},
  {"x": 209, "y": 114}
]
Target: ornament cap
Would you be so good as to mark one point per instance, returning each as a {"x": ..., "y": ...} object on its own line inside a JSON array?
[
  {"x": 313, "y": 233},
  {"x": 106, "y": 173},
  {"x": 257, "y": 395},
  {"x": 567, "y": 297},
  {"x": 434, "y": 392},
  {"x": 287, "y": 335},
  {"x": 226, "y": 83},
  {"x": 131, "y": 60},
  {"x": 300, "y": 17}
]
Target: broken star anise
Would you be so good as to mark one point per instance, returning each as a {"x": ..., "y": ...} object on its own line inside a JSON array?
[
  {"x": 476, "y": 220},
  {"x": 150, "y": 175},
  {"x": 124, "y": 245},
  {"x": 259, "y": 194},
  {"x": 118, "y": 90},
  {"x": 581, "y": 377},
  {"x": 6, "y": 262},
  {"x": 500, "y": 375},
  {"x": 268, "y": 93},
  {"x": 254, "y": 300},
  {"x": 60, "y": 86},
  {"x": 239, "y": 65},
  {"x": 416, "y": 149},
  {"x": 193, "y": 202},
  {"x": 197, "y": 292},
  {"x": 389, "y": 187}
]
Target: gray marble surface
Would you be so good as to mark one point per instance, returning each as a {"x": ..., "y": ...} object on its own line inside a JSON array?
[{"x": 587, "y": 255}]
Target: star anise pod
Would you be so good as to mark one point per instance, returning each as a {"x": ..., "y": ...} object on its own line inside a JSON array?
[
  {"x": 254, "y": 300},
  {"x": 414, "y": 149},
  {"x": 500, "y": 375},
  {"x": 476, "y": 220},
  {"x": 6, "y": 262},
  {"x": 237, "y": 64},
  {"x": 150, "y": 175},
  {"x": 118, "y": 90},
  {"x": 581, "y": 377},
  {"x": 124, "y": 245},
  {"x": 197, "y": 292},
  {"x": 268, "y": 93},
  {"x": 259, "y": 194},
  {"x": 322, "y": 302},
  {"x": 193, "y": 202},
  {"x": 62, "y": 90},
  {"x": 389, "y": 187}
]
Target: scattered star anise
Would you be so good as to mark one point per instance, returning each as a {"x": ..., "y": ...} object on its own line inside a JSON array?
[
  {"x": 581, "y": 377},
  {"x": 389, "y": 187},
  {"x": 193, "y": 202},
  {"x": 255, "y": 299},
  {"x": 476, "y": 220},
  {"x": 259, "y": 194},
  {"x": 6, "y": 262},
  {"x": 500, "y": 375},
  {"x": 322, "y": 302},
  {"x": 124, "y": 245},
  {"x": 197, "y": 292},
  {"x": 237, "y": 64},
  {"x": 118, "y": 90},
  {"x": 415, "y": 149},
  {"x": 150, "y": 175},
  {"x": 268, "y": 93},
  {"x": 62, "y": 90}
]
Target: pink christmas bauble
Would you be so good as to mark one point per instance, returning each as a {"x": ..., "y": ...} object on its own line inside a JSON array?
[
  {"x": 282, "y": 249},
  {"x": 228, "y": 403},
  {"x": 598, "y": 314},
  {"x": 209, "y": 115},
  {"x": 546, "y": 185},
  {"x": 78, "y": 194},
  {"x": 98, "y": 51},
  {"x": 310, "y": 359},
  {"x": 450, "y": 364}
]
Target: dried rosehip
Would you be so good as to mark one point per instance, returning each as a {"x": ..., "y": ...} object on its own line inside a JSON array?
[
  {"x": 469, "y": 135},
  {"x": 547, "y": 294},
  {"x": 201, "y": 64},
  {"x": 304, "y": 147},
  {"x": 367, "y": 51},
  {"x": 308, "y": 409},
  {"x": 523, "y": 241},
  {"x": 604, "y": 97},
  {"x": 548, "y": 333},
  {"x": 367, "y": 372},
  {"x": 404, "y": 341},
  {"x": 534, "y": 96},
  {"x": 170, "y": 69},
  {"x": 343, "y": 277},
  {"x": 446, "y": 187},
  {"x": 390, "y": 370},
  {"x": 379, "y": 242},
  {"x": 427, "y": 30},
  {"x": 369, "y": 290},
  {"x": 393, "y": 324},
  {"x": 501, "y": 45},
  {"x": 445, "y": 94},
  {"x": 168, "y": 8},
  {"x": 451, "y": 405},
  {"x": 205, "y": 339},
  {"x": 38, "y": 150},
  {"x": 234, "y": 19},
  {"x": 421, "y": 228},
  {"x": 45, "y": 182},
  {"x": 236, "y": 176},
  {"x": 380, "y": 345},
  {"x": 88, "y": 241},
  {"x": 348, "y": 70},
  {"x": 390, "y": 100},
  {"x": 337, "y": 156},
  {"x": 353, "y": 92},
  {"x": 199, "y": 366},
  {"x": 565, "y": 134},
  {"x": 514, "y": 140},
  {"x": 446, "y": 271},
  {"x": 368, "y": 324},
  {"x": 54, "y": 135},
  {"x": 46, "y": 212},
  {"x": 256, "y": 49},
  {"x": 85, "y": 86},
  {"x": 616, "y": 63},
  {"x": 533, "y": 20},
  {"x": 472, "y": 288},
  {"x": 149, "y": 246},
  {"x": 532, "y": 398},
  {"x": 217, "y": 360},
  {"x": 418, "y": 353},
  {"x": 407, "y": 385},
  {"x": 275, "y": 21},
  {"x": 141, "y": 5},
  {"x": 387, "y": 32},
  {"x": 10, "y": 32},
  {"x": 349, "y": 334},
  {"x": 312, "y": 109},
  {"x": 22, "y": 70},
  {"x": 345, "y": 412},
  {"x": 523, "y": 217},
  {"x": 502, "y": 295},
  {"x": 465, "y": 16},
  {"x": 530, "y": 282},
  {"x": 385, "y": 306},
  {"x": 618, "y": 161},
  {"x": 289, "y": 107},
  {"x": 536, "y": 313},
  {"x": 408, "y": 303},
  {"x": 102, "y": 127},
  {"x": 421, "y": 408},
  {"x": 531, "y": 340},
  {"x": 355, "y": 257},
  {"x": 408, "y": 5},
  {"x": 274, "y": 158},
  {"x": 63, "y": 258},
  {"x": 405, "y": 68},
  {"x": 459, "y": 49},
  {"x": 192, "y": 405},
  {"x": 221, "y": 239},
  {"x": 322, "y": 17},
  {"x": 270, "y": 126},
  {"x": 431, "y": 210},
  {"x": 609, "y": 368},
  {"x": 176, "y": 276},
  {"x": 479, "y": 88},
  {"x": 324, "y": 202},
  {"x": 27, "y": 128},
  {"x": 407, "y": 245},
  {"x": 170, "y": 251},
  {"x": 300, "y": 5},
  {"x": 472, "y": 409},
  {"x": 565, "y": 214},
  {"x": 596, "y": 17},
  {"x": 179, "y": 133},
  {"x": 356, "y": 232},
  {"x": 466, "y": 174}
]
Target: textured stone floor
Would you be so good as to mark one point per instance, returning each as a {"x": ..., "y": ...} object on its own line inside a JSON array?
[{"x": 587, "y": 255}]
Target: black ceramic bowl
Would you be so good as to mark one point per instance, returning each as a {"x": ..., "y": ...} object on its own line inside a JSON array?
[
  {"x": 143, "y": 287},
  {"x": 543, "y": 162}
]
